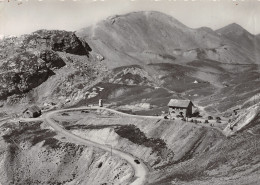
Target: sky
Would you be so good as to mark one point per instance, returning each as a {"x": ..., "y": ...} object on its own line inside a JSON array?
[{"x": 26, "y": 16}]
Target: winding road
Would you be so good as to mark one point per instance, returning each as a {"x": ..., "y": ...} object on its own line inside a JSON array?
[{"x": 140, "y": 169}]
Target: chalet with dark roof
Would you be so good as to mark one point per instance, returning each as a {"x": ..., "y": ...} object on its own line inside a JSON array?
[
  {"x": 180, "y": 108},
  {"x": 32, "y": 112}
]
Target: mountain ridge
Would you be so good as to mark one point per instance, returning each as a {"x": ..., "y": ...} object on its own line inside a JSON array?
[
  {"x": 157, "y": 33},
  {"x": 165, "y": 53}
]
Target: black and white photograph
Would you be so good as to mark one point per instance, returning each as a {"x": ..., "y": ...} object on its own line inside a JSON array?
[{"x": 129, "y": 92}]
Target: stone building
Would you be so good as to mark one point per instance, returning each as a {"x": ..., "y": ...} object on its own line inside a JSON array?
[
  {"x": 180, "y": 108},
  {"x": 32, "y": 112}
]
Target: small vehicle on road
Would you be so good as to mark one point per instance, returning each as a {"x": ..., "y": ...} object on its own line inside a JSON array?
[
  {"x": 65, "y": 114},
  {"x": 137, "y": 161}
]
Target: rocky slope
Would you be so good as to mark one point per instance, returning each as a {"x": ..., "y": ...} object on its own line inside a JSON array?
[
  {"x": 231, "y": 161},
  {"x": 192, "y": 154},
  {"x": 245, "y": 117},
  {"x": 146, "y": 54},
  {"x": 157, "y": 142},
  {"x": 33, "y": 154},
  {"x": 28, "y": 61}
]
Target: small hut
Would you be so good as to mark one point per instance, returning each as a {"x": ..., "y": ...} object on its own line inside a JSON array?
[{"x": 32, "y": 112}]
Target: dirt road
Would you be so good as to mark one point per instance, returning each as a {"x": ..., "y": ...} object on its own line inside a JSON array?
[{"x": 140, "y": 169}]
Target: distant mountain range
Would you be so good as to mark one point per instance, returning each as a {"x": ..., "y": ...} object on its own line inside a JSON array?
[
  {"x": 141, "y": 35},
  {"x": 241, "y": 36},
  {"x": 133, "y": 53}
]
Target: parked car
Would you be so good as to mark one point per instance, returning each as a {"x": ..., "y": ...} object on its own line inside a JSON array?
[
  {"x": 137, "y": 161},
  {"x": 210, "y": 117}
]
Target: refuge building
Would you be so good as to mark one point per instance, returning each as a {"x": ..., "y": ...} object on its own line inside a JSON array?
[{"x": 180, "y": 108}]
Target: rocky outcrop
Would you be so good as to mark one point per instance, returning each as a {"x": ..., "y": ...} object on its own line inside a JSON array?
[
  {"x": 25, "y": 71},
  {"x": 29, "y": 60},
  {"x": 60, "y": 41},
  {"x": 51, "y": 59},
  {"x": 244, "y": 118}
]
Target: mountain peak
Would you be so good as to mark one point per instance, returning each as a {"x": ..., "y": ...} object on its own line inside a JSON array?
[
  {"x": 235, "y": 25},
  {"x": 206, "y": 29},
  {"x": 148, "y": 15},
  {"x": 233, "y": 28}
]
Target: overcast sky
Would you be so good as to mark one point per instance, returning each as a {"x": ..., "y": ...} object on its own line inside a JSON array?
[{"x": 18, "y": 18}]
